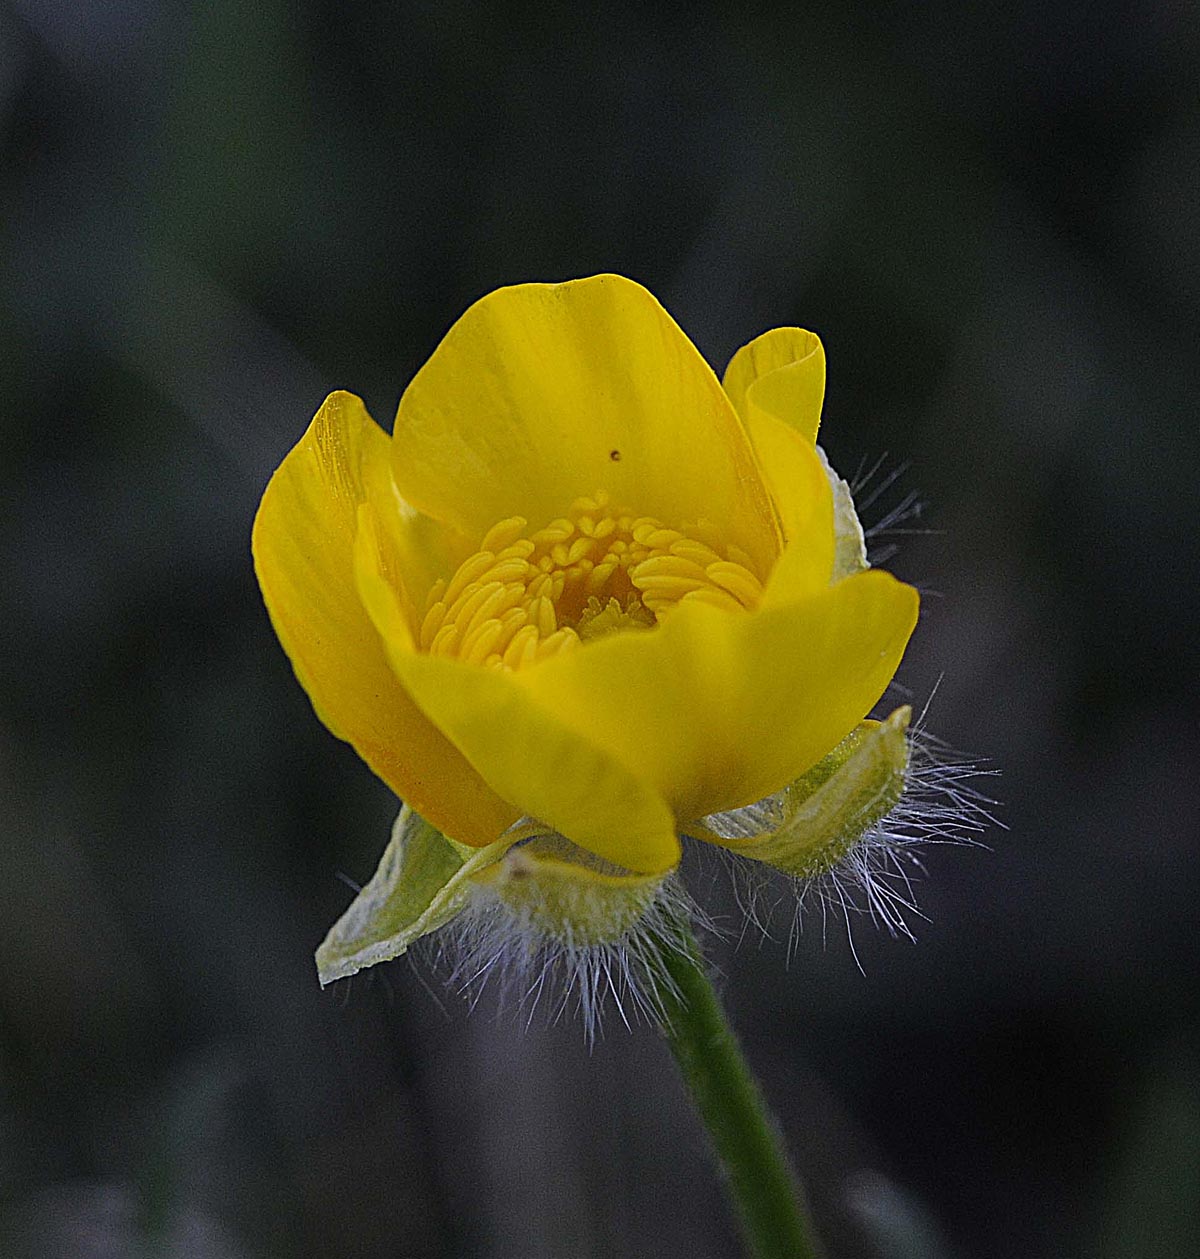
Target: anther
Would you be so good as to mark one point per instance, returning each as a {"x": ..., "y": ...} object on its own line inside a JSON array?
[
  {"x": 436, "y": 591},
  {"x": 675, "y": 565},
  {"x": 521, "y": 647},
  {"x": 739, "y": 581},
  {"x": 478, "y": 644},
  {"x": 541, "y": 614},
  {"x": 444, "y": 641},
  {"x": 599, "y": 576},
  {"x": 499, "y": 600},
  {"x": 432, "y": 623},
  {"x": 469, "y": 591},
  {"x": 690, "y": 549},
  {"x": 472, "y": 570},
  {"x": 502, "y": 534},
  {"x": 561, "y": 640},
  {"x": 525, "y": 597},
  {"x": 508, "y": 570},
  {"x": 716, "y": 598},
  {"x": 579, "y": 548},
  {"x": 472, "y": 603}
]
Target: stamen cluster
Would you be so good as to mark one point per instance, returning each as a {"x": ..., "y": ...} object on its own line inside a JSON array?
[{"x": 523, "y": 597}]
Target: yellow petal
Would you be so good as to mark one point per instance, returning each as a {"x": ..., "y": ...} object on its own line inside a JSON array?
[
  {"x": 715, "y": 709},
  {"x": 546, "y": 767},
  {"x": 542, "y": 393},
  {"x": 801, "y": 490},
  {"x": 777, "y": 384},
  {"x": 303, "y": 547},
  {"x": 781, "y": 373}
]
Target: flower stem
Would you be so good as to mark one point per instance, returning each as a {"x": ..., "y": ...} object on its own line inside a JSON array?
[{"x": 765, "y": 1189}]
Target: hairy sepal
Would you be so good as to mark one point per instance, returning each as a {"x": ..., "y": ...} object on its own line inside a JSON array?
[
  {"x": 815, "y": 823},
  {"x": 552, "y": 888},
  {"x": 423, "y": 881}
]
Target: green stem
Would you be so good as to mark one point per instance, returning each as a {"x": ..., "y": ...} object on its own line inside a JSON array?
[{"x": 764, "y": 1186}]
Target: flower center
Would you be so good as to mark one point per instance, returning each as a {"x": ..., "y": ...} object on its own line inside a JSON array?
[{"x": 523, "y": 597}]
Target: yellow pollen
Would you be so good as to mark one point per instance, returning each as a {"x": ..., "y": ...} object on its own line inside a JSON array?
[{"x": 525, "y": 596}]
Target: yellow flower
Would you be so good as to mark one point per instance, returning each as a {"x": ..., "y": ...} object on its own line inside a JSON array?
[{"x": 585, "y": 583}]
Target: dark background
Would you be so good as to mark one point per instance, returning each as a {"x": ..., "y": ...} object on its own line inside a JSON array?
[{"x": 214, "y": 214}]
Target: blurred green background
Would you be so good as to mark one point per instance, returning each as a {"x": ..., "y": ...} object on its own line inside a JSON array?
[{"x": 212, "y": 214}]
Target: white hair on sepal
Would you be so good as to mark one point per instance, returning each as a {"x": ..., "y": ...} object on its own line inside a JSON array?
[
  {"x": 939, "y": 805},
  {"x": 758, "y": 890},
  {"x": 537, "y": 974},
  {"x": 896, "y": 519}
]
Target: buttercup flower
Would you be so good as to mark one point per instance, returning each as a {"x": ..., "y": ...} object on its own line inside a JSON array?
[{"x": 585, "y": 600}]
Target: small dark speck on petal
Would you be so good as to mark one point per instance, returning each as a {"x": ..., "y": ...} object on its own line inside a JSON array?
[{"x": 615, "y": 456}]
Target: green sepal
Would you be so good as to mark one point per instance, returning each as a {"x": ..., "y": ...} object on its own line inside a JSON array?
[
  {"x": 817, "y": 820},
  {"x": 555, "y": 889},
  {"x": 421, "y": 884}
]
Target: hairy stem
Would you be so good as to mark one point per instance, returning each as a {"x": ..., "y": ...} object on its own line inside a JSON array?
[{"x": 762, "y": 1182}]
